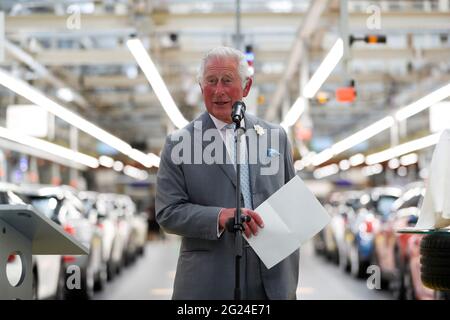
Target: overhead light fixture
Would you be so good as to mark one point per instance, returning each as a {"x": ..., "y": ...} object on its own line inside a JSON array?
[
  {"x": 151, "y": 73},
  {"x": 357, "y": 159},
  {"x": 49, "y": 147},
  {"x": 294, "y": 113},
  {"x": 154, "y": 159},
  {"x": 65, "y": 94},
  {"x": 326, "y": 67},
  {"x": 423, "y": 103},
  {"x": 402, "y": 149},
  {"x": 394, "y": 163},
  {"x": 30, "y": 93},
  {"x": 298, "y": 165},
  {"x": 106, "y": 161},
  {"x": 363, "y": 135},
  {"x": 118, "y": 166},
  {"x": 344, "y": 165},
  {"x": 313, "y": 85},
  {"x": 135, "y": 173},
  {"x": 409, "y": 159},
  {"x": 372, "y": 170},
  {"x": 322, "y": 157},
  {"x": 388, "y": 121},
  {"x": 326, "y": 171}
]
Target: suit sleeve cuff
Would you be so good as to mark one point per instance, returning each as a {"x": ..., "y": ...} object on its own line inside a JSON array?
[{"x": 219, "y": 232}]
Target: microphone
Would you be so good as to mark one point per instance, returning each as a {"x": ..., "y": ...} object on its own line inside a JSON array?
[{"x": 238, "y": 112}]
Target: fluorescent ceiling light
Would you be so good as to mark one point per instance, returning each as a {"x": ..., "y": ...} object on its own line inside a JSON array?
[
  {"x": 357, "y": 159},
  {"x": 66, "y": 94},
  {"x": 394, "y": 163},
  {"x": 372, "y": 170},
  {"x": 409, "y": 159},
  {"x": 49, "y": 147},
  {"x": 322, "y": 157},
  {"x": 151, "y": 73},
  {"x": 363, "y": 135},
  {"x": 423, "y": 103},
  {"x": 118, "y": 166},
  {"x": 106, "y": 161},
  {"x": 298, "y": 165},
  {"x": 294, "y": 113},
  {"x": 154, "y": 159},
  {"x": 344, "y": 165},
  {"x": 403, "y": 149},
  {"x": 28, "y": 92},
  {"x": 314, "y": 84},
  {"x": 326, "y": 171},
  {"x": 135, "y": 173},
  {"x": 326, "y": 67},
  {"x": 307, "y": 159}
]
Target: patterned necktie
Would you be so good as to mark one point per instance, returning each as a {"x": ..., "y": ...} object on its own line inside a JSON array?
[{"x": 245, "y": 177}]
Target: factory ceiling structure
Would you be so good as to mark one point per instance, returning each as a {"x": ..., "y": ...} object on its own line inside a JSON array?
[{"x": 78, "y": 54}]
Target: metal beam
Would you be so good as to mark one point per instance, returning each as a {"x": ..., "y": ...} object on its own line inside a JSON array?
[
  {"x": 53, "y": 24},
  {"x": 398, "y": 21},
  {"x": 306, "y": 28},
  {"x": 223, "y": 23},
  {"x": 65, "y": 57},
  {"x": 21, "y": 55}
]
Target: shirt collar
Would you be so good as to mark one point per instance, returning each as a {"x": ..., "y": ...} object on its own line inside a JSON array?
[{"x": 220, "y": 124}]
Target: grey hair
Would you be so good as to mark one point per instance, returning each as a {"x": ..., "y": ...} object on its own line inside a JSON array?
[{"x": 226, "y": 52}]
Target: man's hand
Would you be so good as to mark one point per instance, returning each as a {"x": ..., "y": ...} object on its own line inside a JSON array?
[{"x": 251, "y": 228}]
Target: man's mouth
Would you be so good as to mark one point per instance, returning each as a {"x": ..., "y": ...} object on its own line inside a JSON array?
[{"x": 221, "y": 103}]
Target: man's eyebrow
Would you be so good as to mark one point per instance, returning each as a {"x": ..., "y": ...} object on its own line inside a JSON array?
[{"x": 228, "y": 74}]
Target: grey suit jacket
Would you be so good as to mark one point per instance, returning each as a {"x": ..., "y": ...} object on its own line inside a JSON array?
[{"x": 189, "y": 197}]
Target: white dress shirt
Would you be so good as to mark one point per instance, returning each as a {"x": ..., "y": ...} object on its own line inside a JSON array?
[{"x": 228, "y": 139}]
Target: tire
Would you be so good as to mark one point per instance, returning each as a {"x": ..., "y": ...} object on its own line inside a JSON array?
[
  {"x": 344, "y": 264},
  {"x": 101, "y": 278},
  {"x": 110, "y": 270},
  {"x": 435, "y": 261}
]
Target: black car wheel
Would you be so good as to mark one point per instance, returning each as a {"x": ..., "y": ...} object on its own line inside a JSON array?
[{"x": 435, "y": 261}]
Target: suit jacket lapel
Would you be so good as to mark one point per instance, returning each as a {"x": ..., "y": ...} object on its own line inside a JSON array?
[
  {"x": 254, "y": 168},
  {"x": 226, "y": 167}
]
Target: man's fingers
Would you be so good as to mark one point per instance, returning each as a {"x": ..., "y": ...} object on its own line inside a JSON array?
[
  {"x": 253, "y": 227},
  {"x": 247, "y": 231},
  {"x": 256, "y": 217}
]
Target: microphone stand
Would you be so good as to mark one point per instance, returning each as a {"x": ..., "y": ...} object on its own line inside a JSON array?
[{"x": 238, "y": 225}]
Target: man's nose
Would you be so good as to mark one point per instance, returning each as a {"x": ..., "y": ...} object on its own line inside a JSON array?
[{"x": 219, "y": 88}]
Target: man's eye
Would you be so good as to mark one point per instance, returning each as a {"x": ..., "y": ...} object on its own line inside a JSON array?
[{"x": 211, "y": 81}]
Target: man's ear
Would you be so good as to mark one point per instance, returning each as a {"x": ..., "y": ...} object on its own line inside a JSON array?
[
  {"x": 200, "y": 85},
  {"x": 248, "y": 84}
]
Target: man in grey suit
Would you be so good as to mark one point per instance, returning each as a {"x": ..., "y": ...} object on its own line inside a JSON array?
[{"x": 195, "y": 196}]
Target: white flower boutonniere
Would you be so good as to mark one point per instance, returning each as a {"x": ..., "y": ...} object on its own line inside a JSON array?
[{"x": 259, "y": 130}]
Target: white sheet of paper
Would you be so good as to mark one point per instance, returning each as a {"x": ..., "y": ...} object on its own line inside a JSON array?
[
  {"x": 435, "y": 210},
  {"x": 291, "y": 216}
]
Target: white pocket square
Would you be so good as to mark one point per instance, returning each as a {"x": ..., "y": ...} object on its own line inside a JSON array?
[{"x": 272, "y": 153}]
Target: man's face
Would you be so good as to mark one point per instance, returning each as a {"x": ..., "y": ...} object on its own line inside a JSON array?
[{"x": 221, "y": 87}]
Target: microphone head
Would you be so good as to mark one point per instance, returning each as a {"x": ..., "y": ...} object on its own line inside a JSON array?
[
  {"x": 238, "y": 111},
  {"x": 239, "y": 105}
]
